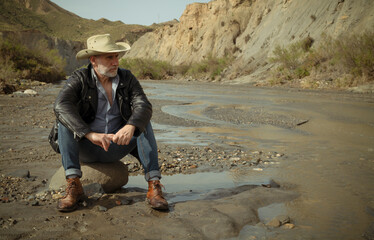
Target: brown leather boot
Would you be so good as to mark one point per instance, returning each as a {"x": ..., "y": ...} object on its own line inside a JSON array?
[
  {"x": 73, "y": 194},
  {"x": 154, "y": 196}
]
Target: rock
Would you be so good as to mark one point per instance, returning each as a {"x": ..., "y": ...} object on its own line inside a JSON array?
[
  {"x": 6, "y": 88},
  {"x": 274, "y": 223},
  {"x": 288, "y": 226},
  {"x": 126, "y": 201},
  {"x": 93, "y": 189},
  {"x": 279, "y": 221},
  {"x": 21, "y": 173},
  {"x": 102, "y": 209},
  {"x": 111, "y": 176},
  {"x": 271, "y": 184},
  {"x": 283, "y": 219},
  {"x": 30, "y": 92},
  {"x": 57, "y": 196}
]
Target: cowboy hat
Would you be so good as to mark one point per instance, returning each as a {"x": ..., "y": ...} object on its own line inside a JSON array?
[{"x": 100, "y": 44}]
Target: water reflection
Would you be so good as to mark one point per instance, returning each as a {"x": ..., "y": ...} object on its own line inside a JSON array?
[{"x": 186, "y": 187}]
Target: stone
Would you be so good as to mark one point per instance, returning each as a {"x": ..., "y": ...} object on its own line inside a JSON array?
[
  {"x": 283, "y": 219},
  {"x": 274, "y": 223},
  {"x": 279, "y": 221},
  {"x": 30, "y": 92},
  {"x": 111, "y": 176},
  {"x": 93, "y": 189},
  {"x": 102, "y": 208},
  {"x": 288, "y": 226}
]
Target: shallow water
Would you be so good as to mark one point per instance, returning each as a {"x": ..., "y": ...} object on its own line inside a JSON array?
[
  {"x": 330, "y": 159},
  {"x": 185, "y": 187}
]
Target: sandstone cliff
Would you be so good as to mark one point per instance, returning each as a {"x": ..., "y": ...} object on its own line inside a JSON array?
[{"x": 249, "y": 30}]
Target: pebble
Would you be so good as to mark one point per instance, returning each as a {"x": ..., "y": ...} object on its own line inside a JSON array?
[
  {"x": 274, "y": 223},
  {"x": 57, "y": 196},
  {"x": 283, "y": 219},
  {"x": 30, "y": 92},
  {"x": 288, "y": 226},
  {"x": 102, "y": 209},
  {"x": 186, "y": 159},
  {"x": 279, "y": 221}
]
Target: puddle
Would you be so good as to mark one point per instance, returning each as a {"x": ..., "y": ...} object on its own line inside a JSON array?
[{"x": 187, "y": 187}]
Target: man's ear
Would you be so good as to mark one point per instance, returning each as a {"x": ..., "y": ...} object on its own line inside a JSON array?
[{"x": 93, "y": 60}]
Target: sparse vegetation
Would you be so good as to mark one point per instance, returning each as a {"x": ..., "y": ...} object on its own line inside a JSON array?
[
  {"x": 19, "y": 62},
  {"x": 210, "y": 67},
  {"x": 52, "y": 20},
  {"x": 147, "y": 68},
  {"x": 349, "y": 58},
  {"x": 154, "y": 69}
]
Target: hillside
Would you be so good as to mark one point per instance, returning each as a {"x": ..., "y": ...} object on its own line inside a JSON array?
[
  {"x": 48, "y": 18},
  {"x": 248, "y": 31}
]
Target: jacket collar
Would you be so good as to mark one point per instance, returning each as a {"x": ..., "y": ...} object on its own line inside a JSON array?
[{"x": 91, "y": 81}]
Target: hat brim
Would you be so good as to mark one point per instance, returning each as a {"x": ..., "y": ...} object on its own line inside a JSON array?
[{"x": 86, "y": 53}]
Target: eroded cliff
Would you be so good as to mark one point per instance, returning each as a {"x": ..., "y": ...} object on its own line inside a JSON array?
[{"x": 249, "y": 30}]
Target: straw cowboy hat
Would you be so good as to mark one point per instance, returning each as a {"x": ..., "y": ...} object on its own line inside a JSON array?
[{"x": 100, "y": 44}]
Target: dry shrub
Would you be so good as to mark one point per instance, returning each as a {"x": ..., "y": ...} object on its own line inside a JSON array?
[
  {"x": 155, "y": 69},
  {"x": 148, "y": 68},
  {"x": 351, "y": 56},
  {"x": 17, "y": 61}
]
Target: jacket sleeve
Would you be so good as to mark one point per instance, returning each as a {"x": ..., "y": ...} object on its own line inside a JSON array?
[
  {"x": 140, "y": 105},
  {"x": 66, "y": 107}
]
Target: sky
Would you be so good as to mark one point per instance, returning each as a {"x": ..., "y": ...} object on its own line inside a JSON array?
[{"x": 143, "y": 12}]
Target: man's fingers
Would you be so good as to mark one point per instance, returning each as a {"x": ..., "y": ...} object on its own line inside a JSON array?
[
  {"x": 106, "y": 142},
  {"x": 110, "y": 136}
]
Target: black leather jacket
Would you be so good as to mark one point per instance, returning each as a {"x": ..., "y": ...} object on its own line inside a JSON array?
[{"x": 76, "y": 104}]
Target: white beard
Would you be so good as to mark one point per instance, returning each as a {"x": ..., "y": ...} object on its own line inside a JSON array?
[{"x": 105, "y": 71}]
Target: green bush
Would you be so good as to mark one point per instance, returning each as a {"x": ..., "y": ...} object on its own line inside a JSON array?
[
  {"x": 293, "y": 60},
  {"x": 355, "y": 53},
  {"x": 347, "y": 54},
  {"x": 147, "y": 68},
  {"x": 17, "y": 61},
  {"x": 155, "y": 69}
]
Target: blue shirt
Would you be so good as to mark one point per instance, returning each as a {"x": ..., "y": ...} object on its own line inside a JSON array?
[{"x": 108, "y": 118}]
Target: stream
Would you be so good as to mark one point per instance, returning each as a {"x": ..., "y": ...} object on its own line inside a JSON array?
[{"x": 328, "y": 139}]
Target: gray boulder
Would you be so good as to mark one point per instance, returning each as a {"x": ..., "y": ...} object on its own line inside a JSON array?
[{"x": 111, "y": 176}]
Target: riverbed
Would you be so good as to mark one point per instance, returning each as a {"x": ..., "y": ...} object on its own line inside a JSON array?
[
  {"x": 317, "y": 145},
  {"x": 328, "y": 138}
]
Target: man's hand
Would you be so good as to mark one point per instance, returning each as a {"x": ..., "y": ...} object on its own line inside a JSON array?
[
  {"x": 100, "y": 139},
  {"x": 124, "y": 135}
]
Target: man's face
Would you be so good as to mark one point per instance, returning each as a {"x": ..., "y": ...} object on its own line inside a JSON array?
[{"x": 106, "y": 64}]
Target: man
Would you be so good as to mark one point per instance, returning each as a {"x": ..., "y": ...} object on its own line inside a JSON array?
[{"x": 103, "y": 115}]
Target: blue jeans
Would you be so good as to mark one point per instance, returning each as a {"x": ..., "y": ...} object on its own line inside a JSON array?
[{"x": 73, "y": 152}]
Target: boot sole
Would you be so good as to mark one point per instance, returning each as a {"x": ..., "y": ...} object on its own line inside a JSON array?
[
  {"x": 162, "y": 207},
  {"x": 74, "y": 207}
]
